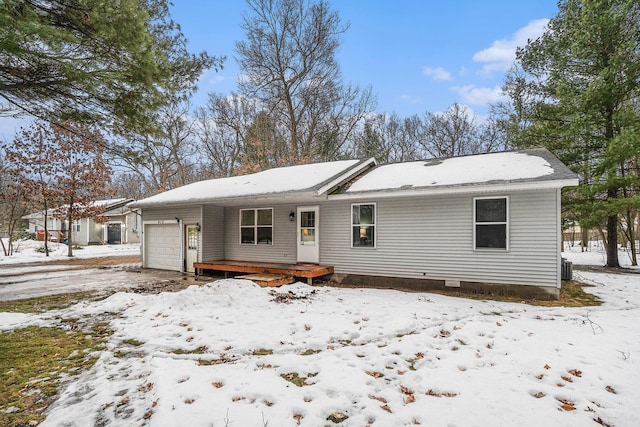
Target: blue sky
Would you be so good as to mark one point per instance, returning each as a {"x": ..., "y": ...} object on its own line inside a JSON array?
[
  {"x": 420, "y": 55},
  {"x": 417, "y": 55}
]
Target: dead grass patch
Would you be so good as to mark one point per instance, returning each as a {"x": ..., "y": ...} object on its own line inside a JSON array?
[
  {"x": 34, "y": 360},
  {"x": 49, "y": 302}
]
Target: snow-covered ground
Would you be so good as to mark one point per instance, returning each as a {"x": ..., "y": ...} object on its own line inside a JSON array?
[
  {"x": 26, "y": 251},
  {"x": 378, "y": 357},
  {"x": 595, "y": 254}
]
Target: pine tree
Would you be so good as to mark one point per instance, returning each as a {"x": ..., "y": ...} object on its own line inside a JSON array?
[{"x": 576, "y": 89}]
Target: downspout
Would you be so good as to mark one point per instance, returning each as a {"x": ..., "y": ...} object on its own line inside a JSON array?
[{"x": 559, "y": 238}]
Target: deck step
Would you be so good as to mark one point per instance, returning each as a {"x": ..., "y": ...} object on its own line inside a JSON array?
[{"x": 267, "y": 279}]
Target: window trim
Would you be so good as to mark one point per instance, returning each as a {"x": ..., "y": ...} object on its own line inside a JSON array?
[
  {"x": 255, "y": 226},
  {"x": 505, "y": 223},
  {"x": 374, "y": 225}
]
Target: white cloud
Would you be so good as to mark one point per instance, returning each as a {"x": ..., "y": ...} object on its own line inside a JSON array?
[
  {"x": 437, "y": 73},
  {"x": 216, "y": 79},
  {"x": 211, "y": 77},
  {"x": 502, "y": 53},
  {"x": 411, "y": 99},
  {"x": 473, "y": 95}
]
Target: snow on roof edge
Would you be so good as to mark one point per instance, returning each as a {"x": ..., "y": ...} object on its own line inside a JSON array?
[{"x": 289, "y": 180}]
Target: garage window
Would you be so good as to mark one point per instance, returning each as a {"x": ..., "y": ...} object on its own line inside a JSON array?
[{"x": 256, "y": 226}]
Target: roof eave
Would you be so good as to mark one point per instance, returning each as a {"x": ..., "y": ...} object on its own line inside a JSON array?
[
  {"x": 239, "y": 200},
  {"x": 457, "y": 189}
]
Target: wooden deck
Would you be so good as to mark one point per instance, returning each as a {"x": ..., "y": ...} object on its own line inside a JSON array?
[{"x": 308, "y": 271}]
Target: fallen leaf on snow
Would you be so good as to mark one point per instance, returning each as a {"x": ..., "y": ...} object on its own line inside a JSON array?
[{"x": 575, "y": 372}]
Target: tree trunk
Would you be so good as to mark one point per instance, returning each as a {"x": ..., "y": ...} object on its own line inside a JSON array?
[
  {"x": 584, "y": 239},
  {"x": 612, "y": 241},
  {"x": 69, "y": 234},
  {"x": 46, "y": 231}
]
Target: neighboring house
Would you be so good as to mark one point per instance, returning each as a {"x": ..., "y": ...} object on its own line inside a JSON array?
[
  {"x": 121, "y": 225},
  {"x": 484, "y": 223}
]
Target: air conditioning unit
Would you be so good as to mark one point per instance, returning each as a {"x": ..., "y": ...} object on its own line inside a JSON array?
[{"x": 566, "y": 269}]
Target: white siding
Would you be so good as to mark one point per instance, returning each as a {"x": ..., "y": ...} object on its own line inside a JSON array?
[
  {"x": 212, "y": 235},
  {"x": 431, "y": 237},
  {"x": 284, "y": 237}
]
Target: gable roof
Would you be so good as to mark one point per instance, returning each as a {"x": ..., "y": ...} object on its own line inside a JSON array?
[
  {"x": 107, "y": 203},
  {"x": 310, "y": 180},
  {"x": 514, "y": 170},
  {"x": 530, "y": 168}
]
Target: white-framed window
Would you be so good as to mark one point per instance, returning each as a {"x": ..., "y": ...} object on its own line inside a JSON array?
[
  {"x": 491, "y": 223},
  {"x": 256, "y": 226},
  {"x": 363, "y": 225}
]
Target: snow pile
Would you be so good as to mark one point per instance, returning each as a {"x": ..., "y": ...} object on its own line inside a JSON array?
[
  {"x": 454, "y": 171},
  {"x": 26, "y": 251},
  {"x": 231, "y": 353}
]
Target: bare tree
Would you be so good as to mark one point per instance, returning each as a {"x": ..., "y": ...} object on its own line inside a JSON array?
[
  {"x": 164, "y": 159},
  {"x": 452, "y": 133},
  {"x": 33, "y": 162},
  {"x": 14, "y": 204},
  {"x": 289, "y": 62},
  {"x": 389, "y": 138},
  {"x": 83, "y": 177},
  {"x": 222, "y": 127}
]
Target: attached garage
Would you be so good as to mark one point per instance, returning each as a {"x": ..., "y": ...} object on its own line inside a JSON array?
[{"x": 162, "y": 246}]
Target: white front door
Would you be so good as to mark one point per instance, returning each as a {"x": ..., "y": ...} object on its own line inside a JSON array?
[
  {"x": 308, "y": 234},
  {"x": 191, "y": 247}
]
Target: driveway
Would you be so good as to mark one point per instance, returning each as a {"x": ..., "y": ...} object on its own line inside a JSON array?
[{"x": 31, "y": 280}]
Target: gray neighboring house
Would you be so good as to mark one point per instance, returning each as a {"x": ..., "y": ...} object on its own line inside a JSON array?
[
  {"x": 122, "y": 225},
  {"x": 482, "y": 223}
]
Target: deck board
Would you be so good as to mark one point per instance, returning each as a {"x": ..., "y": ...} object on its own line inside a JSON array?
[
  {"x": 268, "y": 279},
  {"x": 308, "y": 271}
]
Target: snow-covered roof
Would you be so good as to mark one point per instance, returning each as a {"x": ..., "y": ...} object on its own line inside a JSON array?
[
  {"x": 108, "y": 203},
  {"x": 278, "y": 181},
  {"x": 495, "y": 168}
]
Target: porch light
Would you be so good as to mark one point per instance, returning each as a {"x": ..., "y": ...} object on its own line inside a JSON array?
[
  {"x": 198, "y": 227},
  {"x": 292, "y": 216}
]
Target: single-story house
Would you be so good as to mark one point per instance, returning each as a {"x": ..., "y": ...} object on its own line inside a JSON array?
[
  {"x": 484, "y": 223},
  {"x": 120, "y": 225}
]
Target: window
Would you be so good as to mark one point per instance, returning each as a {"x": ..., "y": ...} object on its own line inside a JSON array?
[
  {"x": 363, "y": 225},
  {"x": 490, "y": 223},
  {"x": 256, "y": 226}
]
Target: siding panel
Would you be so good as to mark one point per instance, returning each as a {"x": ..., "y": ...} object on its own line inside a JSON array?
[
  {"x": 212, "y": 235},
  {"x": 432, "y": 237},
  {"x": 284, "y": 236}
]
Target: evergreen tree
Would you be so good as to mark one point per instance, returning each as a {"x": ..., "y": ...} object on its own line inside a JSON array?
[
  {"x": 93, "y": 60},
  {"x": 575, "y": 90}
]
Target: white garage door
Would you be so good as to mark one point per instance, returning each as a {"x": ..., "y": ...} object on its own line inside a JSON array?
[{"x": 162, "y": 246}]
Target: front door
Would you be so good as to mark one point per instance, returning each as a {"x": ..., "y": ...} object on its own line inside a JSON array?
[
  {"x": 114, "y": 234},
  {"x": 191, "y": 247},
  {"x": 308, "y": 234}
]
